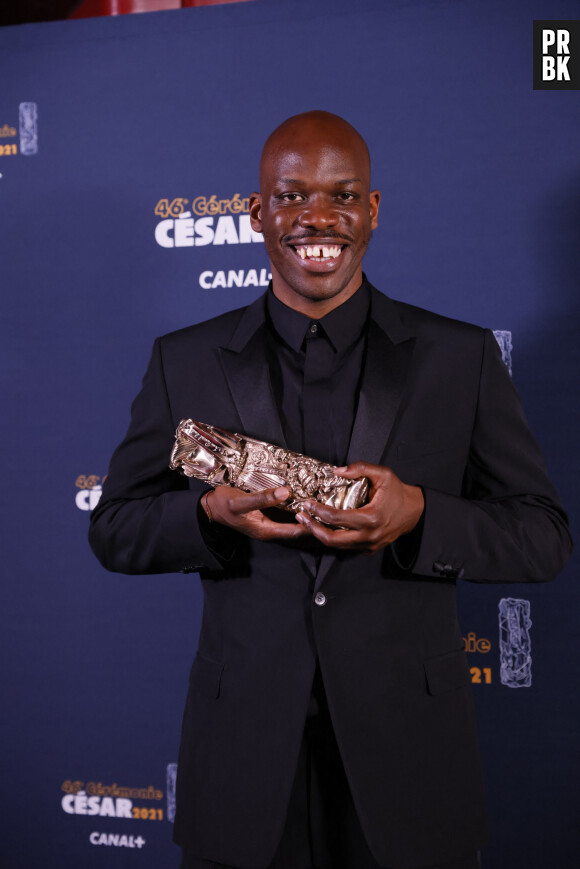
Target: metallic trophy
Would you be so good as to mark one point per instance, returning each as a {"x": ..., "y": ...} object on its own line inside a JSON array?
[{"x": 222, "y": 458}]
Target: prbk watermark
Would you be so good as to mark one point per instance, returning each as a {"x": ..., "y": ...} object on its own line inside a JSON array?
[{"x": 557, "y": 55}]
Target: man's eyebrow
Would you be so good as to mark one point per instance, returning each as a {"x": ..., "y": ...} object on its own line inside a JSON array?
[{"x": 300, "y": 181}]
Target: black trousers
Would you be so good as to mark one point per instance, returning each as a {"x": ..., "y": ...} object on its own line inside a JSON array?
[{"x": 322, "y": 829}]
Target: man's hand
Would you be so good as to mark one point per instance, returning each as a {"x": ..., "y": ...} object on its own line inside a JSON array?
[
  {"x": 394, "y": 509},
  {"x": 243, "y": 512}
]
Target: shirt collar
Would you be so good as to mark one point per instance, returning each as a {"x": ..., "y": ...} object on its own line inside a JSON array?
[{"x": 343, "y": 325}]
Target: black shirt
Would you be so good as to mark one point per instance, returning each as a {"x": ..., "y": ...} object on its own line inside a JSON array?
[{"x": 315, "y": 368}]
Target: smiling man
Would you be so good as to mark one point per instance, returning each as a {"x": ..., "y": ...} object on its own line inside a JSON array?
[
  {"x": 316, "y": 211},
  {"x": 329, "y": 722}
]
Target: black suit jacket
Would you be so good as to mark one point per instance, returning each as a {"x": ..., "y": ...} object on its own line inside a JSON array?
[{"x": 437, "y": 406}]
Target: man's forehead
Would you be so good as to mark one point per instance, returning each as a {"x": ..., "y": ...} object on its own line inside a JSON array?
[
  {"x": 336, "y": 162},
  {"x": 317, "y": 139},
  {"x": 320, "y": 154}
]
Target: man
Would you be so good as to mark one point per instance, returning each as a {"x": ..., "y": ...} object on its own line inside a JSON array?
[{"x": 329, "y": 721}]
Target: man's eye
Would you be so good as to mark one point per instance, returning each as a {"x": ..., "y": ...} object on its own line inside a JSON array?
[
  {"x": 345, "y": 196},
  {"x": 291, "y": 197}
]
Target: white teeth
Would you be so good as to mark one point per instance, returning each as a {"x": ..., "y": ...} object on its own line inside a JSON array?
[{"x": 319, "y": 252}]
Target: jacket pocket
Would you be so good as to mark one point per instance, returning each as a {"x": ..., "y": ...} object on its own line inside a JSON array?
[
  {"x": 206, "y": 676},
  {"x": 447, "y": 672}
]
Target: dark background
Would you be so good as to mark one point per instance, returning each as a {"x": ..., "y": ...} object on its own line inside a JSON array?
[{"x": 480, "y": 220}]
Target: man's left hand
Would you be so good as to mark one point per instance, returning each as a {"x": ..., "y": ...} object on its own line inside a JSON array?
[{"x": 394, "y": 508}]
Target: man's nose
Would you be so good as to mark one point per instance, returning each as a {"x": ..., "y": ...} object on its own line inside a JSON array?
[{"x": 319, "y": 213}]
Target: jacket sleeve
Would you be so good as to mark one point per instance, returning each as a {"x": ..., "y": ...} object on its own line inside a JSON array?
[
  {"x": 147, "y": 519},
  {"x": 508, "y": 524}
]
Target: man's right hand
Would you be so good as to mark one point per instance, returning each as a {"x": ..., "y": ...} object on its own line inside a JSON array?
[{"x": 243, "y": 511}]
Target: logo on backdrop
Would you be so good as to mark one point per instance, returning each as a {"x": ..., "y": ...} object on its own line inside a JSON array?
[
  {"x": 504, "y": 339},
  {"x": 116, "y": 840},
  {"x": 20, "y": 138},
  {"x": 204, "y": 220},
  {"x": 171, "y": 777},
  {"x": 111, "y": 801},
  {"x": 478, "y": 646},
  {"x": 515, "y": 645},
  {"x": 90, "y": 489},
  {"x": 235, "y": 278},
  {"x": 556, "y": 55},
  {"x": 207, "y": 220}
]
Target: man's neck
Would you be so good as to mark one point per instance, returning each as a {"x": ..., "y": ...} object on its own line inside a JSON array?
[{"x": 315, "y": 309}]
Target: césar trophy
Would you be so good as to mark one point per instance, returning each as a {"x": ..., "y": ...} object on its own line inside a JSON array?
[{"x": 223, "y": 458}]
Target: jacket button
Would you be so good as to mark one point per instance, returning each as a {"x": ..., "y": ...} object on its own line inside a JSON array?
[
  {"x": 319, "y": 598},
  {"x": 447, "y": 570}
]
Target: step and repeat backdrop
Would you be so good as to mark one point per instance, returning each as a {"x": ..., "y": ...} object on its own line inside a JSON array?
[{"x": 128, "y": 149}]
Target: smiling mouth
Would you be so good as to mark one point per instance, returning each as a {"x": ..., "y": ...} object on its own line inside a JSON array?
[{"x": 319, "y": 253}]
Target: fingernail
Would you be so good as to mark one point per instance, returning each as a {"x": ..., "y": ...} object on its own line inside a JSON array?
[
  {"x": 340, "y": 470},
  {"x": 282, "y": 493},
  {"x": 300, "y": 517}
]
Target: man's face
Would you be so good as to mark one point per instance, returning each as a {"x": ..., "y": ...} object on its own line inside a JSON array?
[{"x": 316, "y": 212}]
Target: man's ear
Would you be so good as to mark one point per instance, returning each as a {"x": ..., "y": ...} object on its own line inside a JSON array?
[
  {"x": 256, "y": 212},
  {"x": 375, "y": 199}
]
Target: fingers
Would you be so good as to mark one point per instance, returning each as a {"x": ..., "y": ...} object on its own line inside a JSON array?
[
  {"x": 244, "y": 502},
  {"x": 266, "y": 529},
  {"x": 337, "y": 538},
  {"x": 358, "y": 518},
  {"x": 243, "y": 512},
  {"x": 377, "y": 474},
  {"x": 356, "y": 469}
]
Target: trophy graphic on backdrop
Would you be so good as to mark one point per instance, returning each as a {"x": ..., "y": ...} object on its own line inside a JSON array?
[{"x": 223, "y": 458}]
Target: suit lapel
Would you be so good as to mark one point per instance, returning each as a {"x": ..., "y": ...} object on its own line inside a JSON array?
[
  {"x": 245, "y": 366},
  {"x": 383, "y": 381},
  {"x": 389, "y": 350}
]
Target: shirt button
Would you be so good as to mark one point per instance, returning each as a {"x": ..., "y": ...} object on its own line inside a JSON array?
[
  {"x": 319, "y": 598},
  {"x": 314, "y": 329}
]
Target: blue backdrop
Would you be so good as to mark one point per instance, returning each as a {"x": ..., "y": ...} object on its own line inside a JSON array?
[{"x": 127, "y": 149}]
